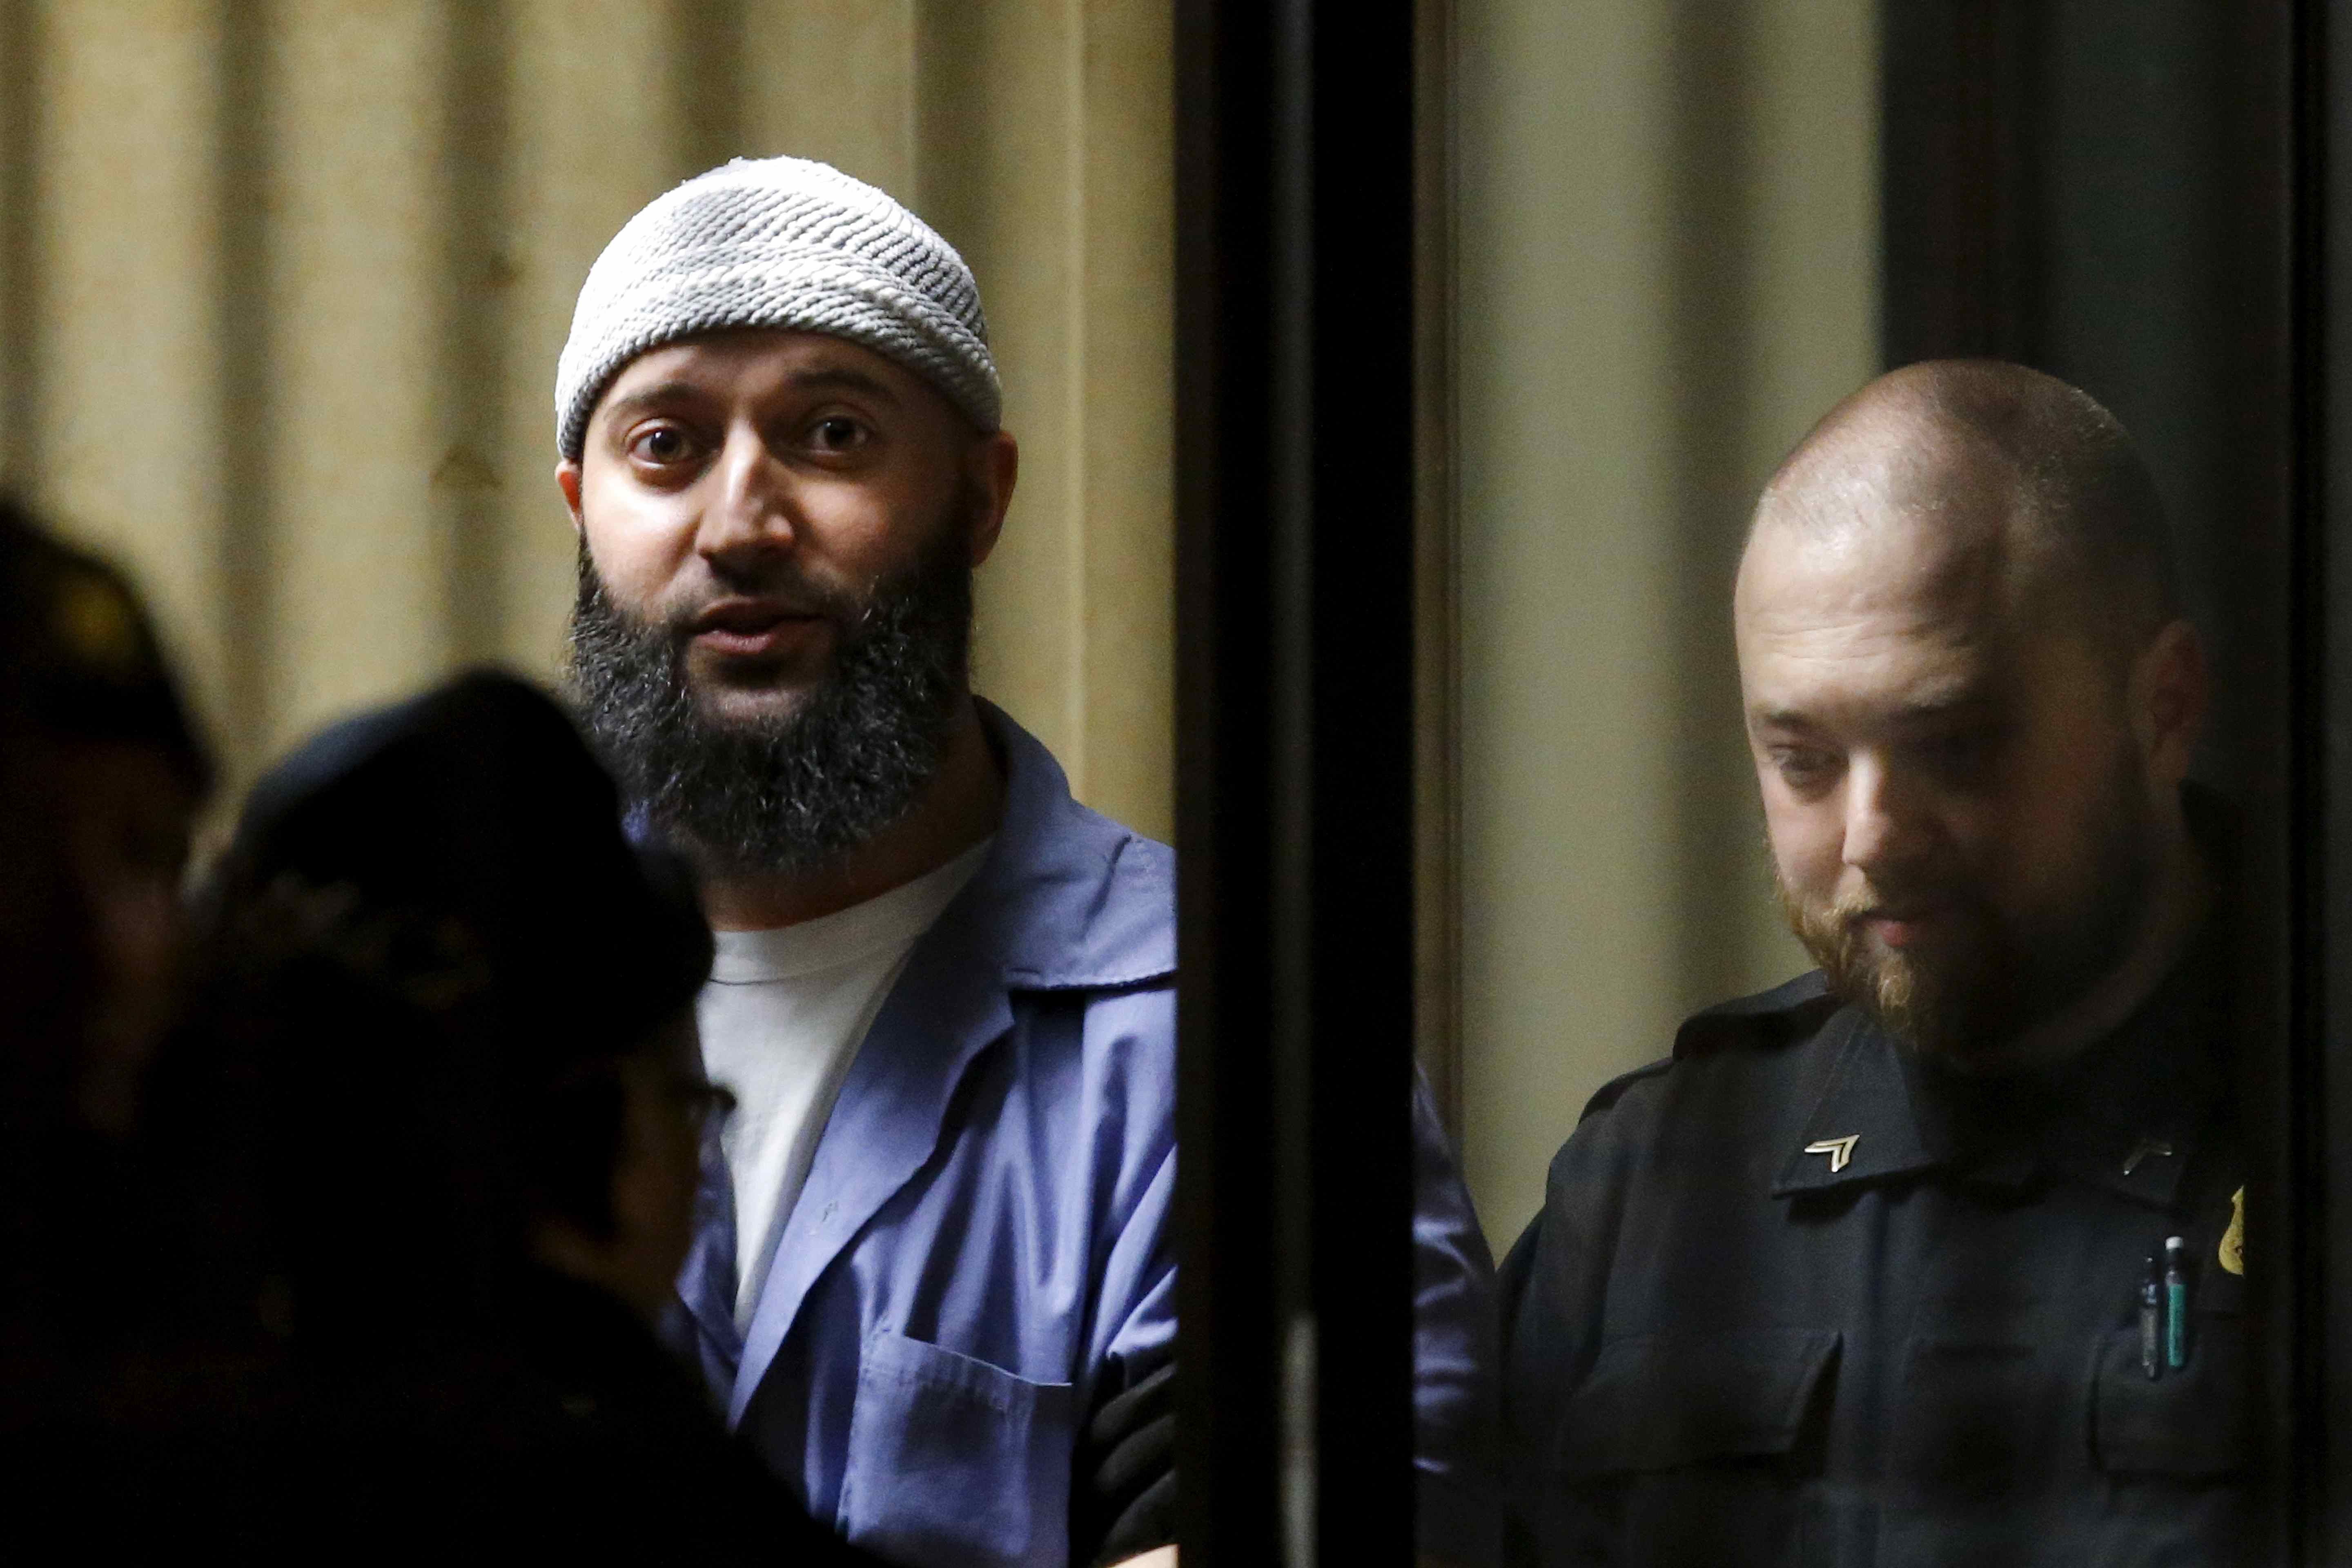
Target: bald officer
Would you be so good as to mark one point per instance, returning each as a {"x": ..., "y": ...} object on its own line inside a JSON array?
[{"x": 1874, "y": 1268}]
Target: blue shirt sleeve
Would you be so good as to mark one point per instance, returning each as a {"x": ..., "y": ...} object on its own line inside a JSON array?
[
  {"x": 1456, "y": 1396},
  {"x": 1133, "y": 1328}
]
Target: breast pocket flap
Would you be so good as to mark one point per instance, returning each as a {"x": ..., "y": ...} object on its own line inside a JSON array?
[
  {"x": 1656, "y": 1401},
  {"x": 954, "y": 1459}
]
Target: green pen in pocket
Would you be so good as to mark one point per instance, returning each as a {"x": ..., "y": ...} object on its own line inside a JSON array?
[{"x": 2176, "y": 1305}]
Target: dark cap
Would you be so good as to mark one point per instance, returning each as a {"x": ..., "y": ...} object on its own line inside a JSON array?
[
  {"x": 476, "y": 812},
  {"x": 85, "y": 651}
]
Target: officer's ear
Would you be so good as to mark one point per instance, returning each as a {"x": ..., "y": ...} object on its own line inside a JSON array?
[{"x": 2169, "y": 691}]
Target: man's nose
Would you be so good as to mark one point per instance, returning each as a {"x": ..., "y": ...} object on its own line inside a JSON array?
[
  {"x": 749, "y": 508},
  {"x": 1888, "y": 822}
]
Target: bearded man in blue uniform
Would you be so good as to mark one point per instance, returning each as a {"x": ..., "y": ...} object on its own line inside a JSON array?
[{"x": 933, "y": 1282}]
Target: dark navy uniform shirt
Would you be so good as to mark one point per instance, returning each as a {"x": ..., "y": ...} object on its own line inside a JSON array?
[{"x": 1796, "y": 1296}]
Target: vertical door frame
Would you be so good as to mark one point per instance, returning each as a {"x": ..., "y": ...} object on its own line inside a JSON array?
[{"x": 1296, "y": 671}]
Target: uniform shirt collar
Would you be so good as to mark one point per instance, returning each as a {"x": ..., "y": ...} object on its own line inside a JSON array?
[
  {"x": 1862, "y": 1126},
  {"x": 2125, "y": 1115}
]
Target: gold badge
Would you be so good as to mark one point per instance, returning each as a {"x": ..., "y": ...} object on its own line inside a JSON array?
[
  {"x": 2234, "y": 1240},
  {"x": 1838, "y": 1150}
]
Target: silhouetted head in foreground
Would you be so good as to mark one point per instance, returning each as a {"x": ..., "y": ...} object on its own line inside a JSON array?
[
  {"x": 446, "y": 1036},
  {"x": 101, "y": 773},
  {"x": 1971, "y": 700},
  {"x": 429, "y": 1147}
]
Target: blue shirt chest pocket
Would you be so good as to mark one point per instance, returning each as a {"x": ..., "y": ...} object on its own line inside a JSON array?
[{"x": 954, "y": 1463}]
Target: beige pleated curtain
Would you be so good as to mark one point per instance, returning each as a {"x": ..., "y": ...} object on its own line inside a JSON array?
[
  {"x": 281, "y": 288},
  {"x": 282, "y": 285}
]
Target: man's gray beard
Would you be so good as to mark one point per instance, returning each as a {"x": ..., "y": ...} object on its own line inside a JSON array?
[
  {"x": 1961, "y": 1008},
  {"x": 801, "y": 791}
]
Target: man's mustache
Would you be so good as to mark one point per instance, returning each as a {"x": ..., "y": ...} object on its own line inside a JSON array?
[{"x": 779, "y": 598}]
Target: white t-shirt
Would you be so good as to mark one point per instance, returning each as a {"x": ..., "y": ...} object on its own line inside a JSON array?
[{"x": 781, "y": 1020}]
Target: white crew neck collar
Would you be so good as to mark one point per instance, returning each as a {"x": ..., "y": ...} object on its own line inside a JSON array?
[{"x": 846, "y": 936}]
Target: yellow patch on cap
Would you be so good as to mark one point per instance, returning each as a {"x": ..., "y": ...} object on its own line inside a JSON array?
[
  {"x": 2234, "y": 1240},
  {"x": 98, "y": 627}
]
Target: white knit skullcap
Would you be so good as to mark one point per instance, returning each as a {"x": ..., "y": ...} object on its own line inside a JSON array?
[{"x": 778, "y": 242}]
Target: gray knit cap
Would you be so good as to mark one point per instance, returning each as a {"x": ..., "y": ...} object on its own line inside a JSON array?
[{"x": 778, "y": 242}]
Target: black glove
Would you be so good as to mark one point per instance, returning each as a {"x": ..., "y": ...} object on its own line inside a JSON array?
[{"x": 1124, "y": 1500}]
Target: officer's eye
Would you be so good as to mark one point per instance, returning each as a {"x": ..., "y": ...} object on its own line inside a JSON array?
[
  {"x": 661, "y": 444},
  {"x": 1803, "y": 768}
]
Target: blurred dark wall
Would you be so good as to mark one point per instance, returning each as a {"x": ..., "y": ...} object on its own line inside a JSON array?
[
  {"x": 2099, "y": 188},
  {"x": 2115, "y": 192}
]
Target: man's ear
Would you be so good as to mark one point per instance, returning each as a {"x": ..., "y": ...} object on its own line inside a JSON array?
[
  {"x": 2171, "y": 687},
  {"x": 567, "y": 479},
  {"x": 992, "y": 466}
]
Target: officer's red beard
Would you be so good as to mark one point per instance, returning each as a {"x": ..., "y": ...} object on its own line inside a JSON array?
[{"x": 1993, "y": 974}]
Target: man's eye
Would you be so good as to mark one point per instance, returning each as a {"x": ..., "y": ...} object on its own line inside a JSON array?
[
  {"x": 836, "y": 432},
  {"x": 661, "y": 444}
]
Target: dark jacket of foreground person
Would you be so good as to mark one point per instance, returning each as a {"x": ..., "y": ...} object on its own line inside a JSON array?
[
  {"x": 1796, "y": 1296},
  {"x": 442, "y": 1013},
  {"x": 563, "y": 1430}
]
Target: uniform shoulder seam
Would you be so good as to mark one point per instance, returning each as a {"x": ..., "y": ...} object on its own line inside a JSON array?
[
  {"x": 1609, "y": 1093},
  {"x": 1787, "y": 1011}
]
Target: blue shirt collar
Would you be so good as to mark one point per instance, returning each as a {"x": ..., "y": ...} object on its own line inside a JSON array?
[{"x": 1068, "y": 900}]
